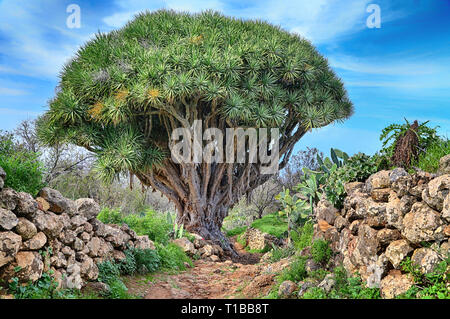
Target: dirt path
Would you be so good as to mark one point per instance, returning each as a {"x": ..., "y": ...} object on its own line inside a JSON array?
[{"x": 208, "y": 280}]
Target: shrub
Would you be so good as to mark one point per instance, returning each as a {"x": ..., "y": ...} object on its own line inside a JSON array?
[
  {"x": 146, "y": 260},
  {"x": 429, "y": 160},
  {"x": 315, "y": 293},
  {"x": 296, "y": 271},
  {"x": 302, "y": 237},
  {"x": 152, "y": 224},
  {"x": 321, "y": 251},
  {"x": 236, "y": 231},
  {"x": 427, "y": 286},
  {"x": 44, "y": 288},
  {"x": 24, "y": 171},
  {"x": 172, "y": 257},
  {"x": 110, "y": 216},
  {"x": 279, "y": 253}
]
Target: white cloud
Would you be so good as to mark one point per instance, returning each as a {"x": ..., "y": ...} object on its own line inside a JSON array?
[{"x": 12, "y": 92}]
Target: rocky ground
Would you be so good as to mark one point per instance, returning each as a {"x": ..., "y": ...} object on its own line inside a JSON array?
[{"x": 244, "y": 278}]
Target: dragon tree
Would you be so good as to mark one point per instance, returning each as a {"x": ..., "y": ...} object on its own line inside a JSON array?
[{"x": 124, "y": 92}]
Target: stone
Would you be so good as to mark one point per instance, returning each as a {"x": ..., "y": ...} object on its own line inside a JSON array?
[
  {"x": 28, "y": 266},
  {"x": 116, "y": 237},
  {"x": 402, "y": 185},
  {"x": 42, "y": 204},
  {"x": 37, "y": 242},
  {"x": 323, "y": 225},
  {"x": 438, "y": 188},
  {"x": 394, "y": 284},
  {"x": 378, "y": 180},
  {"x": 376, "y": 271},
  {"x": 9, "y": 246},
  {"x": 26, "y": 205},
  {"x": 397, "y": 173},
  {"x": 394, "y": 215},
  {"x": 78, "y": 244},
  {"x": 311, "y": 265},
  {"x": 73, "y": 280},
  {"x": 214, "y": 258},
  {"x": 366, "y": 247},
  {"x": 49, "y": 223},
  {"x": 258, "y": 240},
  {"x": 444, "y": 164},
  {"x": 25, "y": 228},
  {"x": 446, "y": 208},
  {"x": 445, "y": 248},
  {"x": 381, "y": 194},
  {"x": 2, "y": 177},
  {"x": 421, "y": 223},
  {"x": 417, "y": 191},
  {"x": 303, "y": 287},
  {"x": 426, "y": 259},
  {"x": 397, "y": 251},
  {"x": 98, "y": 247},
  {"x": 96, "y": 287},
  {"x": 206, "y": 251},
  {"x": 354, "y": 226},
  {"x": 77, "y": 221},
  {"x": 352, "y": 187},
  {"x": 8, "y": 198},
  {"x": 143, "y": 242},
  {"x": 58, "y": 203},
  {"x": 89, "y": 269},
  {"x": 67, "y": 237},
  {"x": 340, "y": 223},
  {"x": 58, "y": 260},
  {"x": 118, "y": 255},
  {"x": 327, "y": 283},
  {"x": 8, "y": 220},
  {"x": 326, "y": 211},
  {"x": 287, "y": 289},
  {"x": 88, "y": 208},
  {"x": 386, "y": 236},
  {"x": 85, "y": 237}
]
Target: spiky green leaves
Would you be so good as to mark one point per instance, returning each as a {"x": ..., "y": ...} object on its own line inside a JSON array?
[{"x": 167, "y": 67}]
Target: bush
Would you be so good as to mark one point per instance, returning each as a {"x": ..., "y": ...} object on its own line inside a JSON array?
[
  {"x": 279, "y": 253},
  {"x": 110, "y": 216},
  {"x": 146, "y": 260},
  {"x": 296, "y": 271},
  {"x": 172, "y": 257},
  {"x": 433, "y": 285},
  {"x": 152, "y": 224},
  {"x": 24, "y": 171},
  {"x": 321, "y": 251},
  {"x": 429, "y": 160},
  {"x": 44, "y": 288},
  {"x": 302, "y": 237}
]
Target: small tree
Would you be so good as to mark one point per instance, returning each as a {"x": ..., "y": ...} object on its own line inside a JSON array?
[{"x": 125, "y": 92}]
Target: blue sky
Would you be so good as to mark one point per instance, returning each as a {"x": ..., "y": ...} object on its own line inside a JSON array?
[{"x": 401, "y": 70}]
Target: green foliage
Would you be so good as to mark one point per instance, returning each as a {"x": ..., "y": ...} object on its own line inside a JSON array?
[
  {"x": 429, "y": 161},
  {"x": 356, "y": 169},
  {"x": 432, "y": 285},
  {"x": 389, "y": 136},
  {"x": 278, "y": 253},
  {"x": 24, "y": 171},
  {"x": 321, "y": 251},
  {"x": 236, "y": 231},
  {"x": 315, "y": 293},
  {"x": 150, "y": 223},
  {"x": 271, "y": 224},
  {"x": 296, "y": 270},
  {"x": 146, "y": 260},
  {"x": 303, "y": 235},
  {"x": 44, "y": 288},
  {"x": 172, "y": 257},
  {"x": 163, "y": 62},
  {"x": 110, "y": 216}
]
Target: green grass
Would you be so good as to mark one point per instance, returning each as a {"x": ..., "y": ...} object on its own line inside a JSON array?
[
  {"x": 271, "y": 224},
  {"x": 236, "y": 231},
  {"x": 429, "y": 160}
]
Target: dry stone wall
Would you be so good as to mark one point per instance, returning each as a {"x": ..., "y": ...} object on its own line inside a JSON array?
[
  {"x": 51, "y": 232},
  {"x": 393, "y": 215}
]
